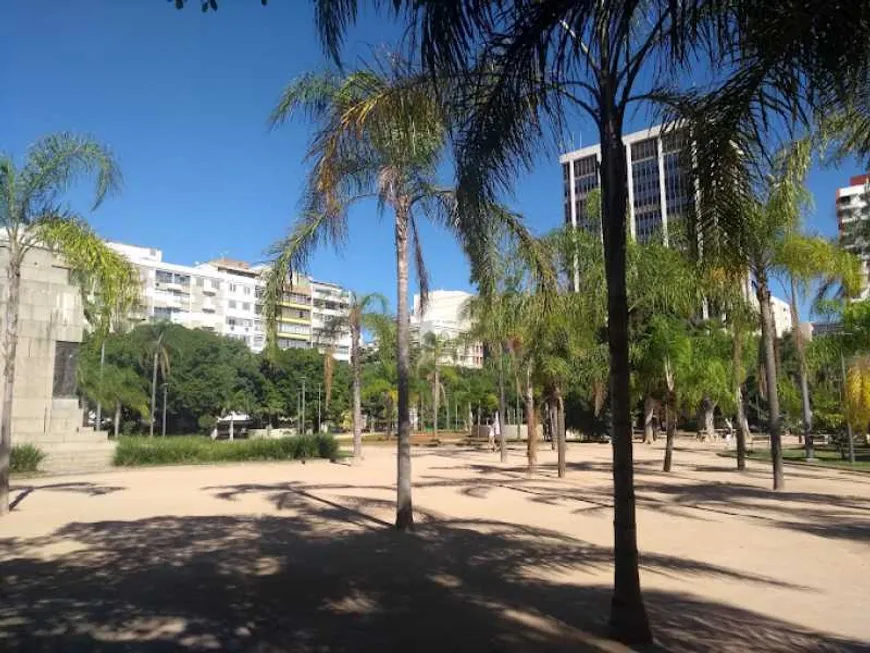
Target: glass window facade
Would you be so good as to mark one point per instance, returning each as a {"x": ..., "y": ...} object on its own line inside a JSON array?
[
  {"x": 645, "y": 181},
  {"x": 585, "y": 180},
  {"x": 679, "y": 193}
]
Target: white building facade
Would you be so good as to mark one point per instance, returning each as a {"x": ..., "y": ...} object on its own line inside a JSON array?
[
  {"x": 223, "y": 296},
  {"x": 659, "y": 192},
  {"x": 443, "y": 316},
  {"x": 853, "y": 209}
]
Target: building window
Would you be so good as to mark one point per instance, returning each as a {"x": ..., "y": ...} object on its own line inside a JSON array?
[
  {"x": 66, "y": 356},
  {"x": 200, "y": 282},
  {"x": 247, "y": 290},
  {"x": 246, "y": 306},
  {"x": 162, "y": 313},
  {"x": 215, "y": 284},
  {"x": 232, "y": 304},
  {"x": 233, "y": 287}
]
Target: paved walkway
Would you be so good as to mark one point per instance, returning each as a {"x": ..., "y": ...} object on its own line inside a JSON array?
[{"x": 292, "y": 557}]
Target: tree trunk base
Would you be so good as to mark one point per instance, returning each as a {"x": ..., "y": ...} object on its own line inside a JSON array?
[{"x": 629, "y": 623}]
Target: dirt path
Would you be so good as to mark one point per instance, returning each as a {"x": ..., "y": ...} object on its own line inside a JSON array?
[{"x": 292, "y": 557}]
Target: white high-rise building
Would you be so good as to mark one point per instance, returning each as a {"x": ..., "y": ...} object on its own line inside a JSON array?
[
  {"x": 659, "y": 192},
  {"x": 223, "y": 296},
  {"x": 853, "y": 208},
  {"x": 444, "y": 317}
]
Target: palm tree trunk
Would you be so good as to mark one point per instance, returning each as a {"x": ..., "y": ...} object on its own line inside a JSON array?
[
  {"x": 531, "y": 427},
  {"x": 502, "y": 409},
  {"x": 404, "y": 507},
  {"x": 98, "y": 421},
  {"x": 10, "y": 350},
  {"x": 628, "y": 618},
  {"x": 802, "y": 373},
  {"x": 560, "y": 432},
  {"x": 671, "y": 432},
  {"x": 163, "y": 425},
  {"x": 767, "y": 338},
  {"x": 117, "y": 418},
  {"x": 742, "y": 424},
  {"x": 435, "y": 403},
  {"x": 649, "y": 407},
  {"x": 357, "y": 401},
  {"x": 153, "y": 397},
  {"x": 551, "y": 423},
  {"x": 709, "y": 421}
]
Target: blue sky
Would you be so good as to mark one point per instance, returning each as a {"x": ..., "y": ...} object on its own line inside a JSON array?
[{"x": 182, "y": 99}]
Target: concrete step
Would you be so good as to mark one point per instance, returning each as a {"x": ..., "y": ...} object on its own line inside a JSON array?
[
  {"x": 64, "y": 458},
  {"x": 56, "y": 437}
]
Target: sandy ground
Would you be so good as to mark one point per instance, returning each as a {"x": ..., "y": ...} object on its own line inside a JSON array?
[{"x": 292, "y": 557}]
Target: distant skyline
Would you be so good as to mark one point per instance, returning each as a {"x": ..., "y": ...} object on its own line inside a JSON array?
[{"x": 182, "y": 99}]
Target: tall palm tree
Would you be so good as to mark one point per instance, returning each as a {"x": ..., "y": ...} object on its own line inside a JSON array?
[
  {"x": 159, "y": 353},
  {"x": 365, "y": 312},
  {"x": 435, "y": 348},
  {"x": 381, "y": 133},
  {"x": 494, "y": 318},
  {"x": 31, "y": 216},
  {"x": 806, "y": 259},
  {"x": 536, "y": 60}
]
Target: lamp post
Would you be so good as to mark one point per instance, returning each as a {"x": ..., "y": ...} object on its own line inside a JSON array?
[{"x": 303, "y": 405}]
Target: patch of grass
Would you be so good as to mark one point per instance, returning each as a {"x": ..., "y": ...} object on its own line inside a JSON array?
[
  {"x": 25, "y": 459},
  {"x": 825, "y": 456},
  {"x": 141, "y": 451}
]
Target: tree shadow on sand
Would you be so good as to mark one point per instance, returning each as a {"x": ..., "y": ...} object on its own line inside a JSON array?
[
  {"x": 90, "y": 489},
  {"x": 322, "y": 575}
]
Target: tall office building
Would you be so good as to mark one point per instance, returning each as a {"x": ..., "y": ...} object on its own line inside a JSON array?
[
  {"x": 443, "y": 316},
  {"x": 224, "y": 296},
  {"x": 659, "y": 192},
  {"x": 853, "y": 210}
]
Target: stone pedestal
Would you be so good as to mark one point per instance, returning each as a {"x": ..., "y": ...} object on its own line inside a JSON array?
[{"x": 45, "y": 411}]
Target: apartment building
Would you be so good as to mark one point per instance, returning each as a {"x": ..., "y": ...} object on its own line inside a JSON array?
[
  {"x": 444, "y": 317},
  {"x": 660, "y": 193},
  {"x": 853, "y": 210},
  {"x": 224, "y": 296}
]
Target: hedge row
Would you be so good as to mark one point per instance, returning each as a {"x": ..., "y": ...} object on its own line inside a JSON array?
[
  {"x": 25, "y": 459},
  {"x": 137, "y": 451}
]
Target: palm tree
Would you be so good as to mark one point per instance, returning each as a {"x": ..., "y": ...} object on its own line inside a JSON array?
[
  {"x": 532, "y": 61},
  {"x": 494, "y": 319},
  {"x": 381, "y": 133},
  {"x": 31, "y": 217},
  {"x": 159, "y": 353},
  {"x": 365, "y": 313},
  {"x": 435, "y": 348},
  {"x": 805, "y": 259}
]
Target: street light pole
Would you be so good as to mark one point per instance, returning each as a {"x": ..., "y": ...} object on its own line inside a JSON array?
[{"x": 303, "y": 406}]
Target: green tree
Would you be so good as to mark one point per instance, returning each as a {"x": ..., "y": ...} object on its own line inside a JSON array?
[
  {"x": 381, "y": 132},
  {"x": 365, "y": 313},
  {"x": 159, "y": 352},
  {"x": 31, "y": 216},
  {"x": 804, "y": 260}
]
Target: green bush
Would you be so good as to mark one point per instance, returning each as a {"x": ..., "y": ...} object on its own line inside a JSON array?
[
  {"x": 25, "y": 458},
  {"x": 137, "y": 451}
]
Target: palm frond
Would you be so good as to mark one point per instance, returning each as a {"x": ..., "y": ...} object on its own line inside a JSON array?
[
  {"x": 55, "y": 162},
  {"x": 291, "y": 255}
]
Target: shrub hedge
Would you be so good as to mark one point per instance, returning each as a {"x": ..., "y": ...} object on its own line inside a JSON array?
[
  {"x": 136, "y": 451},
  {"x": 25, "y": 458}
]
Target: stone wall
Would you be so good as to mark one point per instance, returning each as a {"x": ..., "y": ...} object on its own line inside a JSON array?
[{"x": 46, "y": 411}]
